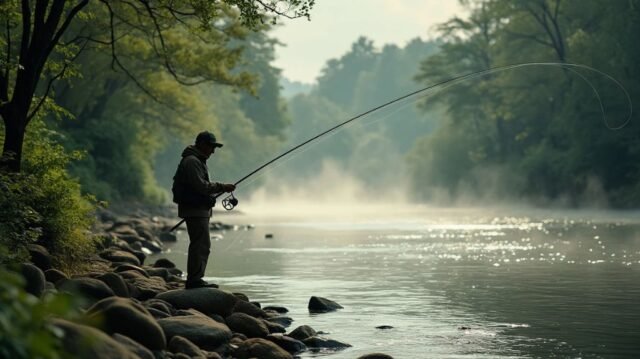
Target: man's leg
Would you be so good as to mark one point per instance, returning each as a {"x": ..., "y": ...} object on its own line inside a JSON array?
[{"x": 199, "y": 248}]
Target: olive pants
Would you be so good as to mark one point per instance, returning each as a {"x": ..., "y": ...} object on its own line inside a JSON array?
[{"x": 199, "y": 247}]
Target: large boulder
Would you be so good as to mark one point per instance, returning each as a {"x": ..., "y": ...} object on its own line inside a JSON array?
[
  {"x": 119, "y": 256},
  {"x": 248, "y": 308},
  {"x": 146, "y": 288},
  {"x": 247, "y": 325},
  {"x": 322, "y": 343},
  {"x": 34, "y": 279},
  {"x": 90, "y": 289},
  {"x": 260, "y": 348},
  {"x": 116, "y": 283},
  {"x": 303, "y": 332},
  {"x": 204, "y": 332},
  {"x": 130, "y": 267},
  {"x": 281, "y": 320},
  {"x": 81, "y": 341},
  {"x": 179, "y": 344},
  {"x": 164, "y": 263},
  {"x": 124, "y": 316},
  {"x": 322, "y": 305},
  {"x": 40, "y": 256},
  {"x": 205, "y": 300},
  {"x": 287, "y": 343},
  {"x": 53, "y": 275},
  {"x": 133, "y": 346}
]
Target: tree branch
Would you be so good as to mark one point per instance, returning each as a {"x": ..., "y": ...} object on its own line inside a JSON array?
[{"x": 72, "y": 14}]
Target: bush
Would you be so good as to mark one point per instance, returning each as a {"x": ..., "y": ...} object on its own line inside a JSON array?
[
  {"x": 24, "y": 329},
  {"x": 44, "y": 204}
]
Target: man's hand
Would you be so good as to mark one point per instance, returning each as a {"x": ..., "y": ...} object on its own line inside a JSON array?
[{"x": 228, "y": 187}]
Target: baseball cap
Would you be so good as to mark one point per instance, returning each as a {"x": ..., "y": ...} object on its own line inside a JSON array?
[{"x": 208, "y": 137}]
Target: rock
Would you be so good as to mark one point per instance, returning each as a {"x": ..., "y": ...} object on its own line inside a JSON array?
[
  {"x": 277, "y": 309},
  {"x": 241, "y": 296},
  {"x": 130, "y": 239},
  {"x": 183, "y": 345},
  {"x": 247, "y": 325},
  {"x": 53, "y": 275},
  {"x": 303, "y": 332},
  {"x": 34, "y": 279},
  {"x": 147, "y": 288},
  {"x": 204, "y": 332},
  {"x": 384, "y": 327},
  {"x": 375, "y": 356},
  {"x": 40, "y": 256},
  {"x": 160, "y": 305},
  {"x": 260, "y": 348},
  {"x": 133, "y": 346},
  {"x": 153, "y": 245},
  {"x": 168, "y": 237},
  {"x": 81, "y": 341},
  {"x": 159, "y": 272},
  {"x": 124, "y": 316},
  {"x": 158, "y": 314},
  {"x": 175, "y": 271},
  {"x": 116, "y": 283},
  {"x": 205, "y": 300},
  {"x": 248, "y": 308},
  {"x": 282, "y": 320},
  {"x": 114, "y": 255},
  {"x": 317, "y": 342},
  {"x": 129, "y": 271},
  {"x": 145, "y": 232},
  {"x": 273, "y": 327},
  {"x": 123, "y": 228},
  {"x": 164, "y": 263},
  {"x": 287, "y": 343},
  {"x": 91, "y": 289},
  {"x": 322, "y": 305}
]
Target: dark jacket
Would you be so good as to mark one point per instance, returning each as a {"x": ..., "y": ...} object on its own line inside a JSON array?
[{"x": 191, "y": 186}]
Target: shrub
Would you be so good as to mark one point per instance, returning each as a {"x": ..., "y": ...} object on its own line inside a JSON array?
[
  {"x": 44, "y": 204},
  {"x": 24, "y": 329}
]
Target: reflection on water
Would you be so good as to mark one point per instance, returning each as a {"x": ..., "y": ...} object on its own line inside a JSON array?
[{"x": 452, "y": 284}]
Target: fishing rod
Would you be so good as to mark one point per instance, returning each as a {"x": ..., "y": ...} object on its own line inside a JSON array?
[{"x": 231, "y": 202}]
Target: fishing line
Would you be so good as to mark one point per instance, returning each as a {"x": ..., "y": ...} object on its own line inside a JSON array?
[{"x": 441, "y": 86}]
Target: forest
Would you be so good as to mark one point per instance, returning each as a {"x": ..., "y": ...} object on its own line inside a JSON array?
[
  {"x": 538, "y": 135},
  {"x": 98, "y": 99}
]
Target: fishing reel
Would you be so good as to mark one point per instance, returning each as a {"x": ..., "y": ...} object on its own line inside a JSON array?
[{"x": 229, "y": 202}]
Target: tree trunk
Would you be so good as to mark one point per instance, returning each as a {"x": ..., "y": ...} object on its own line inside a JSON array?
[{"x": 14, "y": 130}]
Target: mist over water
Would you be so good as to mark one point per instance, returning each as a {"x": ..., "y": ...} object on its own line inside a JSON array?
[{"x": 452, "y": 282}]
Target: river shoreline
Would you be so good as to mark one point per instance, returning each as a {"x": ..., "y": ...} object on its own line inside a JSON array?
[{"x": 135, "y": 310}]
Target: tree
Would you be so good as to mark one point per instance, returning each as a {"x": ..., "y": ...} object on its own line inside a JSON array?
[{"x": 34, "y": 54}]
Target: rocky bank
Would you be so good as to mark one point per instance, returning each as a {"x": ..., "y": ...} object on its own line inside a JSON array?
[{"x": 131, "y": 309}]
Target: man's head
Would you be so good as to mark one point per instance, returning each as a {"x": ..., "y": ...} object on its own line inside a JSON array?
[{"x": 206, "y": 142}]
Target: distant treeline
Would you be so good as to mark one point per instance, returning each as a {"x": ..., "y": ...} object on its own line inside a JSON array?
[{"x": 534, "y": 134}]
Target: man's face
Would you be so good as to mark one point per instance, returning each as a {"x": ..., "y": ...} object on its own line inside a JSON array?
[{"x": 207, "y": 149}]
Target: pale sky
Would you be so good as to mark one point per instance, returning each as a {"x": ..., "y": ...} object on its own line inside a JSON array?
[{"x": 336, "y": 24}]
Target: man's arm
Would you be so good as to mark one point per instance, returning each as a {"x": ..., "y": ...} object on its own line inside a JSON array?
[{"x": 196, "y": 176}]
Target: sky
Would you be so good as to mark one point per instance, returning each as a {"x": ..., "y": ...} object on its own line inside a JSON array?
[{"x": 336, "y": 24}]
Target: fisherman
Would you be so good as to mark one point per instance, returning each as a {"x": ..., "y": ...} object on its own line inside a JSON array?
[{"x": 195, "y": 195}]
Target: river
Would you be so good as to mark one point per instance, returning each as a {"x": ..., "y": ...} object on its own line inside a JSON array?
[{"x": 453, "y": 283}]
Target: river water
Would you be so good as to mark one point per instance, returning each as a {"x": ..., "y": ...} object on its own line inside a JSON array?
[{"x": 453, "y": 283}]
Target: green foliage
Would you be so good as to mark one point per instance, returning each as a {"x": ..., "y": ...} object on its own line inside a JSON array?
[
  {"x": 44, "y": 204},
  {"x": 25, "y": 332},
  {"x": 542, "y": 126}
]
